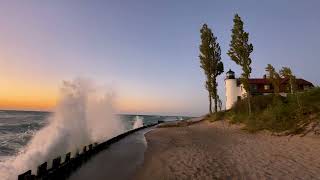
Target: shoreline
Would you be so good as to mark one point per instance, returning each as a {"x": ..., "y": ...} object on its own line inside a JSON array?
[
  {"x": 219, "y": 150},
  {"x": 119, "y": 161}
]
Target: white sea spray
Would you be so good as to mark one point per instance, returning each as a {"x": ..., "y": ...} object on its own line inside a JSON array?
[
  {"x": 83, "y": 115},
  {"x": 138, "y": 122}
]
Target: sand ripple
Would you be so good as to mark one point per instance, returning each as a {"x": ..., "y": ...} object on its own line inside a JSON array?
[{"x": 219, "y": 151}]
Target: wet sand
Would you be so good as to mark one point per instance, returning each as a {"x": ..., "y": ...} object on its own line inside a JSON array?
[
  {"x": 222, "y": 151},
  {"x": 118, "y": 162}
]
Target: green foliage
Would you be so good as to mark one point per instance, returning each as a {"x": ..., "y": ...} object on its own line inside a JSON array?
[
  {"x": 205, "y": 59},
  {"x": 258, "y": 103},
  {"x": 286, "y": 72},
  {"x": 217, "y": 116},
  {"x": 210, "y": 62},
  {"x": 239, "y": 52},
  {"x": 276, "y": 113},
  {"x": 274, "y": 78},
  {"x": 310, "y": 100},
  {"x": 205, "y": 50}
]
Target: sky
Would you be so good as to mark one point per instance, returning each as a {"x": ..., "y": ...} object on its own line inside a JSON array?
[{"x": 144, "y": 50}]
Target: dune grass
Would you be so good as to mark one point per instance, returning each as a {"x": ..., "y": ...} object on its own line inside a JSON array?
[{"x": 276, "y": 113}]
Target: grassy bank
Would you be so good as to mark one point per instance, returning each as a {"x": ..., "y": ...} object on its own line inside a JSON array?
[{"x": 293, "y": 114}]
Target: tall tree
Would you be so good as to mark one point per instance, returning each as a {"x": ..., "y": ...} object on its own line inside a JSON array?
[
  {"x": 286, "y": 72},
  {"x": 217, "y": 69},
  {"x": 239, "y": 52},
  {"x": 274, "y": 77},
  {"x": 205, "y": 60},
  {"x": 210, "y": 62}
]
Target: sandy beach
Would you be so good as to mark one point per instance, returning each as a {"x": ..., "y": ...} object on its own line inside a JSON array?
[{"x": 221, "y": 151}]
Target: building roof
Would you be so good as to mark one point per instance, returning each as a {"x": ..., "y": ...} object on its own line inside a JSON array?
[
  {"x": 283, "y": 81},
  {"x": 303, "y": 82},
  {"x": 260, "y": 82}
]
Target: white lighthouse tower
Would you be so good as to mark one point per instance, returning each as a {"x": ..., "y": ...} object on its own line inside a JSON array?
[{"x": 232, "y": 89}]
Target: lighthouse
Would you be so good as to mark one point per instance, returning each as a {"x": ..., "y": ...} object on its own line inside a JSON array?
[{"x": 232, "y": 89}]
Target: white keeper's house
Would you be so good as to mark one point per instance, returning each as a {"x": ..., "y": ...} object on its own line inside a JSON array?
[{"x": 258, "y": 86}]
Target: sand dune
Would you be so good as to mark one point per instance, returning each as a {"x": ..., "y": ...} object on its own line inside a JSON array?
[{"x": 220, "y": 151}]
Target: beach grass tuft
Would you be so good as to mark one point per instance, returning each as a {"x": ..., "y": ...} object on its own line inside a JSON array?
[{"x": 292, "y": 114}]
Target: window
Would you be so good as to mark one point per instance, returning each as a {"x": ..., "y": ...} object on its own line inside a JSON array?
[
  {"x": 253, "y": 88},
  {"x": 266, "y": 87}
]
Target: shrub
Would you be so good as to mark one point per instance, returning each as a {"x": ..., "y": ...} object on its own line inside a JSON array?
[
  {"x": 258, "y": 103},
  {"x": 277, "y": 113},
  {"x": 217, "y": 116}
]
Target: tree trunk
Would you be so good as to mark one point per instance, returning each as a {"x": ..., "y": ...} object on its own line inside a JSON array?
[
  {"x": 215, "y": 102},
  {"x": 291, "y": 86},
  {"x": 215, "y": 94},
  {"x": 210, "y": 103},
  {"x": 249, "y": 103}
]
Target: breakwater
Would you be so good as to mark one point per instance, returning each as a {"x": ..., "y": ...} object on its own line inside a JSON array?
[{"x": 62, "y": 170}]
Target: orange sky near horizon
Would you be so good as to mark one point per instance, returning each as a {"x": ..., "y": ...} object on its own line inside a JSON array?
[
  {"x": 21, "y": 95},
  {"x": 14, "y": 95},
  {"x": 48, "y": 103}
]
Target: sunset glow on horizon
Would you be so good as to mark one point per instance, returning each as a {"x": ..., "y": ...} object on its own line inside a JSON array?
[
  {"x": 145, "y": 51},
  {"x": 19, "y": 95}
]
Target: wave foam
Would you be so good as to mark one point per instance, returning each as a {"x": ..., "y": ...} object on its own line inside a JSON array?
[{"x": 81, "y": 117}]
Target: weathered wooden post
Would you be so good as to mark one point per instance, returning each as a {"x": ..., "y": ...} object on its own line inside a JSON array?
[
  {"x": 94, "y": 148},
  {"x": 56, "y": 163},
  {"x": 90, "y": 151},
  {"x": 85, "y": 154},
  {"x": 68, "y": 157},
  {"x": 42, "y": 169},
  {"x": 66, "y": 166},
  {"x": 75, "y": 162},
  {"x": 84, "y": 149},
  {"x": 55, "y": 171},
  {"x": 24, "y": 175}
]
